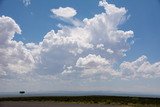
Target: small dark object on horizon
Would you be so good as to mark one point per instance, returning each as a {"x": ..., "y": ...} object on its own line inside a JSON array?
[{"x": 22, "y": 92}]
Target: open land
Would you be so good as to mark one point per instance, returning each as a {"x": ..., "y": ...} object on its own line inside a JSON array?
[{"x": 79, "y": 101}]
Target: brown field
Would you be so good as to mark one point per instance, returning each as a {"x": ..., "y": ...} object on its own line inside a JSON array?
[
  {"x": 49, "y": 104},
  {"x": 79, "y": 101}
]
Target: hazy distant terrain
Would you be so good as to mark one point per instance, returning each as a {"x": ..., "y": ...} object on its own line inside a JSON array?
[{"x": 77, "y": 93}]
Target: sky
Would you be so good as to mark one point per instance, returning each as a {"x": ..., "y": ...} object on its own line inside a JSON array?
[{"x": 93, "y": 45}]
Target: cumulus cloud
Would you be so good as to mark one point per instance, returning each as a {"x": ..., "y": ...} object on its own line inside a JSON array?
[
  {"x": 26, "y": 2},
  {"x": 92, "y": 67},
  {"x": 14, "y": 57},
  {"x": 67, "y": 45},
  {"x": 100, "y": 46},
  {"x": 140, "y": 68},
  {"x": 87, "y": 51},
  {"x": 66, "y": 12},
  {"x": 110, "y": 51},
  {"x": 111, "y": 8},
  {"x": 91, "y": 61},
  {"x": 62, "y": 48},
  {"x": 92, "y": 64}
]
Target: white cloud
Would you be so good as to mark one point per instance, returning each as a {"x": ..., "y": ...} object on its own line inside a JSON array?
[
  {"x": 67, "y": 45},
  {"x": 72, "y": 42},
  {"x": 110, "y": 51},
  {"x": 26, "y": 2},
  {"x": 103, "y": 29},
  {"x": 14, "y": 57},
  {"x": 68, "y": 70},
  {"x": 140, "y": 68},
  {"x": 91, "y": 61},
  {"x": 62, "y": 48},
  {"x": 66, "y": 12},
  {"x": 100, "y": 46},
  {"x": 92, "y": 67},
  {"x": 112, "y": 9},
  {"x": 89, "y": 49},
  {"x": 8, "y": 28}
]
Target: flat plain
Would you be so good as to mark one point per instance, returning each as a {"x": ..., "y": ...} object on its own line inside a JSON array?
[
  {"x": 51, "y": 104},
  {"x": 79, "y": 101}
]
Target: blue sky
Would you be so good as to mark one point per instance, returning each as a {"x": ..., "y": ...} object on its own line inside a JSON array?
[{"x": 36, "y": 19}]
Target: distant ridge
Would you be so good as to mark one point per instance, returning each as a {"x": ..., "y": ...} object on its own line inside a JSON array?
[{"x": 79, "y": 93}]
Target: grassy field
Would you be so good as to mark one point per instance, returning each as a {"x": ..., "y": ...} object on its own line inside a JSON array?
[{"x": 112, "y": 100}]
